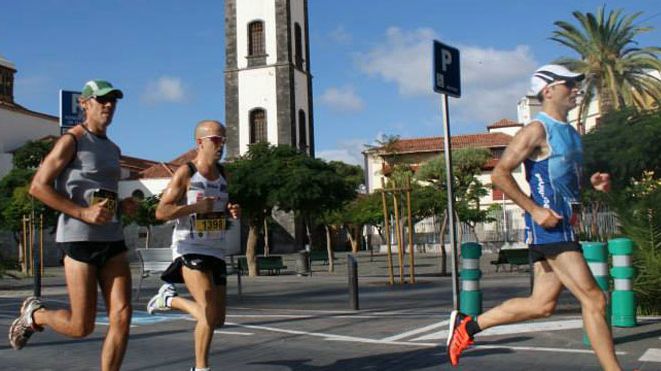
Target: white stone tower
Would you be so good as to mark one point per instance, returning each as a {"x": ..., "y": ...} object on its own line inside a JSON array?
[{"x": 268, "y": 85}]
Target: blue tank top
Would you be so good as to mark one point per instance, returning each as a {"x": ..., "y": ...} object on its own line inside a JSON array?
[{"x": 555, "y": 181}]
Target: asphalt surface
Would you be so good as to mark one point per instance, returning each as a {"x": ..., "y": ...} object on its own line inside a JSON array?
[{"x": 290, "y": 322}]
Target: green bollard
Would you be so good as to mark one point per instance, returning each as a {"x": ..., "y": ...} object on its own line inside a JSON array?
[
  {"x": 470, "y": 298},
  {"x": 596, "y": 255},
  {"x": 624, "y": 299}
]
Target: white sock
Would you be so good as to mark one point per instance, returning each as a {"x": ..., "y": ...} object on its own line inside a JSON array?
[
  {"x": 202, "y": 369},
  {"x": 168, "y": 301}
]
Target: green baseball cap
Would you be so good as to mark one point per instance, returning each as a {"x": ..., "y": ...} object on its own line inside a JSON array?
[{"x": 99, "y": 88}]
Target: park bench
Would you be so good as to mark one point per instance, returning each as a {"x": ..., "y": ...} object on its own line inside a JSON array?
[
  {"x": 272, "y": 264},
  {"x": 319, "y": 255},
  {"x": 513, "y": 257},
  {"x": 152, "y": 262}
]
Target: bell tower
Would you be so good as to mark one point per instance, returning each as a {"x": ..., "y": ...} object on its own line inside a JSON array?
[{"x": 268, "y": 85}]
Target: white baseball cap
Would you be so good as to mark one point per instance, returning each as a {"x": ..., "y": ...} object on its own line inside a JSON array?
[{"x": 551, "y": 73}]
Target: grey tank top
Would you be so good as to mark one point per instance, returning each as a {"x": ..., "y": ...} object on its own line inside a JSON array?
[{"x": 90, "y": 177}]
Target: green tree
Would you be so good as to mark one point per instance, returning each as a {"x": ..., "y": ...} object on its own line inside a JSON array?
[
  {"x": 625, "y": 145},
  {"x": 30, "y": 155},
  {"x": 145, "y": 215},
  {"x": 616, "y": 69},
  {"x": 639, "y": 213},
  {"x": 15, "y": 201},
  {"x": 313, "y": 189},
  {"x": 252, "y": 179},
  {"x": 467, "y": 164},
  {"x": 342, "y": 217}
]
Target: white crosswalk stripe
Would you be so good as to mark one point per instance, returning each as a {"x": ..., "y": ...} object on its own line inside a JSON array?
[{"x": 651, "y": 355}]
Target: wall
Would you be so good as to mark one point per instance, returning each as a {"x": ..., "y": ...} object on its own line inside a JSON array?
[{"x": 16, "y": 129}]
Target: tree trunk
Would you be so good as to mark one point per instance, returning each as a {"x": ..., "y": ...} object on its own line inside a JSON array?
[
  {"x": 460, "y": 231},
  {"x": 329, "y": 250},
  {"x": 267, "y": 248},
  {"x": 353, "y": 240},
  {"x": 605, "y": 99},
  {"x": 444, "y": 254},
  {"x": 251, "y": 246},
  {"x": 594, "y": 228},
  {"x": 148, "y": 237}
]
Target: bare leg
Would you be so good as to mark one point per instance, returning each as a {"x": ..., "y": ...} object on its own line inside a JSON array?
[
  {"x": 571, "y": 268},
  {"x": 541, "y": 303},
  {"x": 78, "y": 321},
  {"x": 115, "y": 280},
  {"x": 208, "y": 308}
]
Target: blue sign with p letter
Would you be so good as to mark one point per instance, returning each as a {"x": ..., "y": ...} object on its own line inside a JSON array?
[{"x": 446, "y": 79}]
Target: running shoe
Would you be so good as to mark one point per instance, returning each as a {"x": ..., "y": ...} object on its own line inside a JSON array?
[
  {"x": 159, "y": 301},
  {"x": 23, "y": 327},
  {"x": 458, "y": 338}
]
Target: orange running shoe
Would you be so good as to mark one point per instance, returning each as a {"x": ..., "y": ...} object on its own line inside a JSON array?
[{"x": 458, "y": 338}]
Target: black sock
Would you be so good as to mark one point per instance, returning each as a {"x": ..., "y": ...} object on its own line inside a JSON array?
[{"x": 472, "y": 328}]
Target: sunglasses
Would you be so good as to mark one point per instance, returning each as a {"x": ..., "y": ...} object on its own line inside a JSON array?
[
  {"x": 570, "y": 84},
  {"x": 215, "y": 139},
  {"x": 105, "y": 99}
]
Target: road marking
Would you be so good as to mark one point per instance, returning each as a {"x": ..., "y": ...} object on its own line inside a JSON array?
[
  {"x": 141, "y": 318},
  {"x": 302, "y": 316},
  {"x": 365, "y": 313},
  {"x": 514, "y": 329},
  {"x": 416, "y": 331},
  {"x": 542, "y": 349},
  {"x": 233, "y": 332},
  {"x": 333, "y": 337},
  {"x": 651, "y": 355}
]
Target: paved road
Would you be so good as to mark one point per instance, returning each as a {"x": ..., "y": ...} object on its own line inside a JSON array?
[{"x": 303, "y": 323}]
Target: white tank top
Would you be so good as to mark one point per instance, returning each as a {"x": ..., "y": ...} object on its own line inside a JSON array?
[{"x": 202, "y": 234}]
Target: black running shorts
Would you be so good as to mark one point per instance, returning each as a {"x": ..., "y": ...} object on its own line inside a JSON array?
[
  {"x": 96, "y": 253},
  {"x": 199, "y": 262},
  {"x": 542, "y": 251}
]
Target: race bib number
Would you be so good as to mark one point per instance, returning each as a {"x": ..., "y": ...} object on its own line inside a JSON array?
[
  {"x": 210, "y": 222},
  {"x": 100, "y": 195}
]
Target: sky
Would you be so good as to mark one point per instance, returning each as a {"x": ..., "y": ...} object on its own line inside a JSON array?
[{"x": 370, "y": 60}]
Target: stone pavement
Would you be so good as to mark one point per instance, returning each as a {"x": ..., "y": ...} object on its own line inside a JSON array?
[{"x": 288, "y": 322}]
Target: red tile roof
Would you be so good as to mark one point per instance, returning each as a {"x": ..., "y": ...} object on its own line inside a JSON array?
[
  {"x": 435, "y": 144},
  {"x": 504, "y": 123},
  {"x": 166, "y": 170}
]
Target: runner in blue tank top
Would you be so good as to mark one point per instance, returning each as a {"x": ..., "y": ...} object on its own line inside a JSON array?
[{"x": 550, "y": 149}]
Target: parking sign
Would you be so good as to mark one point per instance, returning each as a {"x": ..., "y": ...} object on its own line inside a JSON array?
[
  {"x": 70, "y": 112},
  {"x": 446, "y": 79}
]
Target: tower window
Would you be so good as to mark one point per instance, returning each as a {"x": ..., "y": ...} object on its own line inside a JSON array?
[
  {"x": 256, "y": 42},
  {"x": 258, "y": 126},
  {"x": 302, "y": 131},
  {"x": 298, "y": 46}
]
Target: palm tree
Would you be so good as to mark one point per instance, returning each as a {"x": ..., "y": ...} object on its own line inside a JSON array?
[{"x": 617, "y": 71}]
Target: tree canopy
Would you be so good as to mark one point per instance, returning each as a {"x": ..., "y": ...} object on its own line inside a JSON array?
[
  {"x": 617, "y": 70},
  {"x": 625, "y": 145}
]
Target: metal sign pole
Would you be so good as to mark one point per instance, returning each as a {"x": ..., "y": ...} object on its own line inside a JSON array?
[{"x": 449, "y": 182}]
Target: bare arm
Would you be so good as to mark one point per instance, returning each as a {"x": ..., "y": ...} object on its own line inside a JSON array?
[
  {"x": 42, "y": 186},
  {"x": 169, "y": 207},
  {"x": 526, "y": 141}
]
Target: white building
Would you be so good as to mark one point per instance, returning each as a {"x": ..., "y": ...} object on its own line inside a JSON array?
[
  {"x": 415, "y": 151},
  {"x": 18, "y": 125}
]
